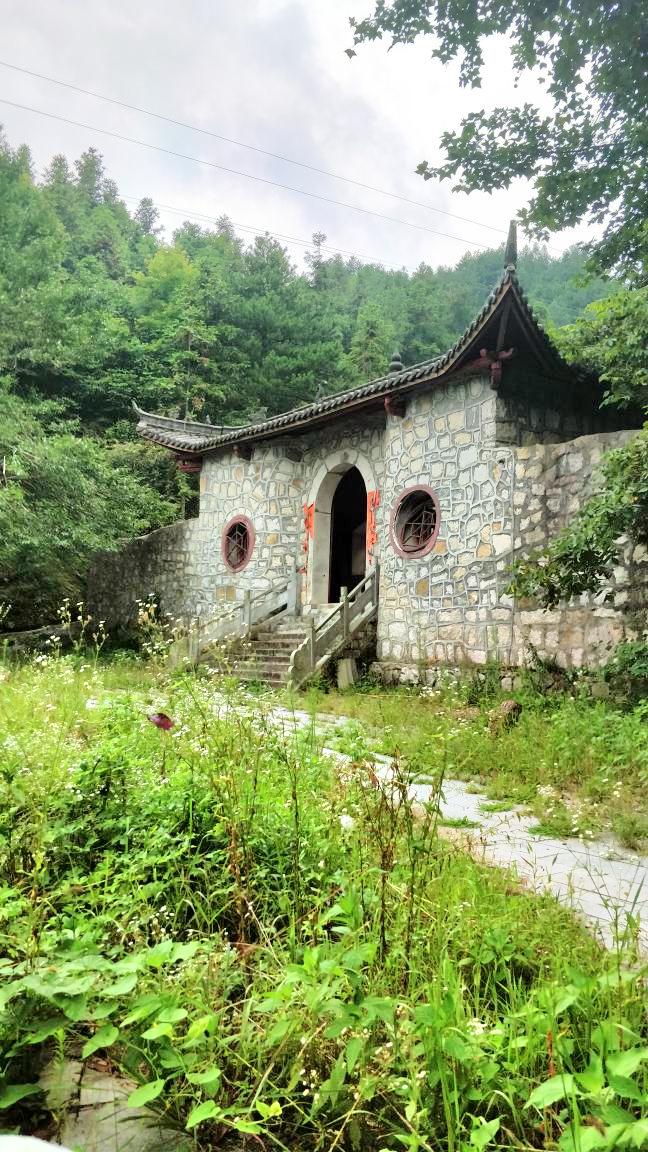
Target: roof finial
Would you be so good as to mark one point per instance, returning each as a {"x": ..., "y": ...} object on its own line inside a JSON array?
[
  {"x": 395, "y": 364},
  {"x": 510, "y": 252}
]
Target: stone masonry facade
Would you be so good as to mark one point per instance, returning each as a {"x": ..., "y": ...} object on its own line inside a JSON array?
[{"x": 503, "y": 486}]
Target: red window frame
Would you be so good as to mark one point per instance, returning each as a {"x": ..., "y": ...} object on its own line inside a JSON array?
[
  {"x": 236, "y": 523},
  {"x": 396, "y": 528}
]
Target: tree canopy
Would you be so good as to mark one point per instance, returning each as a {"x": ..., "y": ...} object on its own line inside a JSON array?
[
  {"x": 98, "y": 309},
  {"x": 586, "y": 150}
]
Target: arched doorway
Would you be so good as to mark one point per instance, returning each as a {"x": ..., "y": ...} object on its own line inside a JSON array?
[
  {"x": 337, "y": 501},
  {"x": 348, "y": 547}
]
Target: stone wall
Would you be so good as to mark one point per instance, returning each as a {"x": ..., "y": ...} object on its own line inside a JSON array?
[
  {"x": 183, "y": 565},
  {"x": 448, "y": 607},
  {"x": 523, "y": 420},
  {"x": 164, "y": 564},
  {"x": 552, "y": 483},
  {"x": 434, "y": 610},
  {"x": 459, "y": 612}
]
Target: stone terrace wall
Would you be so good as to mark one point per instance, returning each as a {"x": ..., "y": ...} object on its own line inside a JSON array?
[
  {"x": 451, "y": 607},
  {"x": 163, "y": 564},
  {"x": 551, "y": 484}
]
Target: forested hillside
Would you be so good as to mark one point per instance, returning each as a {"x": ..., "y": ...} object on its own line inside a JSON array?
[{"x": 97, "y": 310}]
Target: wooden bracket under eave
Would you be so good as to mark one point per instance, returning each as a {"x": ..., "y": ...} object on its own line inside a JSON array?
[
  {"x": 189, "y": 464},
  {"x": 395, "y": 406},
  {"x": 488, "y": 362},
  {"x": 243, "y": 451}
]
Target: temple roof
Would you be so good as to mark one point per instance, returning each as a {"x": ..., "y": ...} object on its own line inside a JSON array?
[{"x": 505, "y": 320}]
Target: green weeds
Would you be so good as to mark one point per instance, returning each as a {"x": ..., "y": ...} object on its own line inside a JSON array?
[
  {"x": 580, "y": 765},
  {"x": 277, "y": 944}
]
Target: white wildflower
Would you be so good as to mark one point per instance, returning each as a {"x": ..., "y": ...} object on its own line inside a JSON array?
[{"x": 476, "y": 1026}]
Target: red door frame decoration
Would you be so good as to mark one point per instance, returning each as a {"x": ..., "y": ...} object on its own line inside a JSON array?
[
  {"x": 309, "y": 532},
  {"x": 373, "y": 502}
]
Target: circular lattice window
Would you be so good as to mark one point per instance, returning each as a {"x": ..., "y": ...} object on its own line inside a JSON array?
[
  {"x": 237, "y": 542},
  {"x": 415, "y": 522}
]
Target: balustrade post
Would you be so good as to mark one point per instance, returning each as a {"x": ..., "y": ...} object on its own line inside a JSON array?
[
  {"x": 312, "y": 643},
  {"x": 293, "y": 587},
  {"x": 344, "y": 599},
  {"x": 247, "y": 610}
]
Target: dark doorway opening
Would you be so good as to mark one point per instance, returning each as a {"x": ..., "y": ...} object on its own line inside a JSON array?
[{"x": 348, "y": 534}]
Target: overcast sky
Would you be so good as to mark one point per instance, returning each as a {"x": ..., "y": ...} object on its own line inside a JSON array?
[{"x": 270, "y": 73}]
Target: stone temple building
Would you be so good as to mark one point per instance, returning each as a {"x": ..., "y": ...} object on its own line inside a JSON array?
[{"x": 390, "y": 514}]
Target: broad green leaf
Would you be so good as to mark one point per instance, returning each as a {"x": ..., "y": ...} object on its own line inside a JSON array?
[
  {"x": 279, "y": 1029},
  {"x": 198, "y": 1029},
  {"x": 586, "y": 1139},
  {"x": 141, "y": 1009},
  {"x": 205, "y": 1111},
  {"x": 455, "y": 1046},
  {"x": 103, "y": 1038},
  {"x": 184, "y": 951},
  {"x": 337, "y": 1078},
  {"x": 12, "y": 1093},
  {"x": 172, "y": 1015},
  {"x": 101, "y": 1011},
  {"x": 626, "y": 1063},
  {"x": 158, "y": 1030},
  {"x": 75, "y": 1007},
  {"x": 121, "y": 987},
  {"x": 45, "y": 1030},
  {"x": 8, "y": 993},
  {"x": 626, "y": 1088},
  {"x": 638, "y": 1133},
  {"x": 592, "y": 1079},
  {"x": 483, "y": 1132},
  {"x": 210, "y": 1077},
  {"x": 145, "y": 1094},
  {"x": 565, "y": 1002},
  {"x": 268, "y": 1111},
  {"x": 556, "y": 1088},
  {"x": 353, "y": 1050}
]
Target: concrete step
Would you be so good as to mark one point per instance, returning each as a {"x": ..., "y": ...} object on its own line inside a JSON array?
[
  {"x": 248, "y": 675},
  {"x": 269, "y": 665},
  {"x": 262, "y": 651},
  {"x": 281, "y": 638}
]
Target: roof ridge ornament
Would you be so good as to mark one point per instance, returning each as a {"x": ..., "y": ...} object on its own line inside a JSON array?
[
  {"x": 395, "y": 364},
  {"x": 511, "y": 249}
]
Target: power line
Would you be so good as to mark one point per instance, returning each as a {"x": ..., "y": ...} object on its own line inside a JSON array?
[
  {"x": 249, "y": 147},
  {"x": 237, "y": 172},
  {"x": 189, "y": 213}
]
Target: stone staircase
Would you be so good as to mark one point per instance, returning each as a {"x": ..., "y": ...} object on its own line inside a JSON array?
[
  {"x": 263, "y": 638},
  {"x": 265, "y": 654}
]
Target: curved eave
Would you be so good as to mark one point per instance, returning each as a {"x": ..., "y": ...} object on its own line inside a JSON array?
[{"x": 192, "y": 437}]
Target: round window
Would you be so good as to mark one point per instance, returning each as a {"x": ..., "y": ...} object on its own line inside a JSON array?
[
  {"x": 237, "y": 542},
  {"x": 415, "y": 522}
]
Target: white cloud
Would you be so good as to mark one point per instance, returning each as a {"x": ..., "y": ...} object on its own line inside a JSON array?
[{"x": 268, "y": 72}]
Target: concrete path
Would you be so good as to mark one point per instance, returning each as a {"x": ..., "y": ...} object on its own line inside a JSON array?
[{"x": 603, "y": 883}]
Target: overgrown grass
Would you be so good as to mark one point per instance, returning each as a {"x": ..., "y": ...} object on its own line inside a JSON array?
[
  {"x": 580, "y": 765},
  {"x": 279, "y": 947}
]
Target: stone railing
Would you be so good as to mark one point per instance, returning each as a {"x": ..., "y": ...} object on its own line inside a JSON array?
[
  {"x": 235, "y": 621},
  {"x": 333, "y": 631}
]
